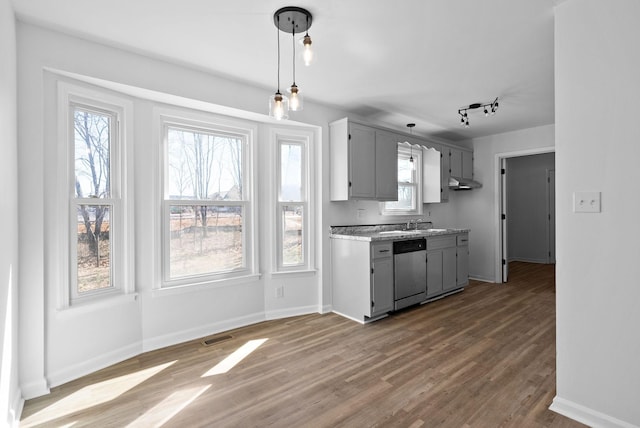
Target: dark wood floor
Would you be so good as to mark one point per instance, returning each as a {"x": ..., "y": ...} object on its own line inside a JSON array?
[{"x": 481, "y": 358}]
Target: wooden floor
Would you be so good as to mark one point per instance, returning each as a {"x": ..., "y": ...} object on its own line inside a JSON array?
[{"x": 481, "y": 358}]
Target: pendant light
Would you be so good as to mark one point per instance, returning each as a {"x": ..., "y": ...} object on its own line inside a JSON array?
[
  {"x": 292, "y": 20},
  {"x": 411, "y": 161},
  {"x": 278, "y": 103},
  {"x": 295, "y": 100}
]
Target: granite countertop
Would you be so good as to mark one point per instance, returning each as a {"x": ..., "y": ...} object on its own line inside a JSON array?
[{"x": 388, "y": 232}]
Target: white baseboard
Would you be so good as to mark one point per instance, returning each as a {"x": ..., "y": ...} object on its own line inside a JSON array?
[
  {"x": 482, "y": 279},
  {"x": 291, "y": 312},
  {"x": 527, "y": 260},
  {"x": 94, "y": 364},
  {"x": 158, "y": 342},
  {"x": 586, "y": 415},
  {"x": 34, "y": 389},
  {"x": 16, "y": 410}
]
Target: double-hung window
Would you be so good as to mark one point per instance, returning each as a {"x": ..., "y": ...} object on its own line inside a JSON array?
[
  {"x": 97, "y": 183},
  {"x": 207, "y": 202},
  {"x": 292, "y": 205},
  {"x": 409, "y": 182}
]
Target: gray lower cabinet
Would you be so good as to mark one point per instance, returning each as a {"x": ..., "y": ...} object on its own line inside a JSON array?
[
  {"x": 381, "y": 278},
  {"x": 362, "y": 273},
  {"x": 362, "y": 278},
  {"x": 444, "y": 265},
  {"x": 462, "y": 260}
]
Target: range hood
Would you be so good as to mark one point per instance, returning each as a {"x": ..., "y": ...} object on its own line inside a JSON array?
[{"x": 458, "y": 183}]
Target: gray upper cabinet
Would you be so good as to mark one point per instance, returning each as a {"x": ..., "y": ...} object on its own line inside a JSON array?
[
  {"x": 461, "y": 163},
  {"x": 363, "y": 162},
  {"x": 467, "y": 164},
  {"x": 386, "y": 170},
  {"x": 455, "y": 159},
  {"x": 445, "y": 172}
]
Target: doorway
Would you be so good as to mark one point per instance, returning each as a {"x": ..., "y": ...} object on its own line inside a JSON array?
[{"x": 525, "y": 207}]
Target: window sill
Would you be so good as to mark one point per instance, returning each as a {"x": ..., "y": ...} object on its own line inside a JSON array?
[
  {"x": 91, "y": 305},
  {"x": 204, "y": 285},
  {"x": 307, "y": 272}
]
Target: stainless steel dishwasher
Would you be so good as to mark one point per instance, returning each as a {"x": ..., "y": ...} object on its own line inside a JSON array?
[{"x": 410, "y": 272}]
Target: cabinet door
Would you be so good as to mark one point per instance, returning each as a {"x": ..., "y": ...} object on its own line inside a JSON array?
[
  {"x": 386, "y": 166},
  {"x": 467, "y": 165},
  {"x": 362, "y": 162},
  {"x": 456, "y": 163},
  {"x": 434, "y": 273},
  {"x": 462, "y": 264},
  {"x": 381, "y": 286},
  {"x": 449, "y": 268},
  {"x": 445, "y": 167}
]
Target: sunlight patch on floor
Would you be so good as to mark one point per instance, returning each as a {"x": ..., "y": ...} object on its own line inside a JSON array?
[
  {"x": 92, "y": 395},
  {"x": 159, "y": 414},
  {"x": 233, "y": 359}
]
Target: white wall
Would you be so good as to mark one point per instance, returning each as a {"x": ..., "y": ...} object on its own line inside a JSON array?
[
  {"x": 597, "y": 149},
  {"x": 477, "y": 209},
  {"x": 57, "y": 346},
  {"x": 9, "y": 393},
  {"x": 528, "y": 207}
]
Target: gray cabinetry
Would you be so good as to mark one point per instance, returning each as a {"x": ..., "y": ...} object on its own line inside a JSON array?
[
  {"x": 362, "y": 278},
  {"x": 461, "y": 163},
  {"x": 441, "y": 264},
  {"x": 445, "y": 167},
  {"x": 386, "y": 170},
  {"x": 447, "y": 263},
  {"x": 363, "y": 162},
  {"x": 462, "y": 260},
  {"x": 381, "y": 278}
]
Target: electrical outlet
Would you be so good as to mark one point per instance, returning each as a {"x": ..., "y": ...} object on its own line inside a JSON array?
[
  {"x": 586, "y": 202},
  {"x": 359, "y": 213},
  {"x": 280, "y": 292}
]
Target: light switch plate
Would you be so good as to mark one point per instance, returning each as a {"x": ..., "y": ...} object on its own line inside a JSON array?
[{"x": 586, "y": 202}]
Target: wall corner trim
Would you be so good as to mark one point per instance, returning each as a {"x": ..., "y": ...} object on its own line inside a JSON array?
[{"x": 586, "y": 415}]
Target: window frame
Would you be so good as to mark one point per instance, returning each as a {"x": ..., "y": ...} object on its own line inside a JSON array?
[
  {"x": 303, "y": 138},
  {"x": 405, "y": 151},
  {"x": 196, "y": 121},
  {"x": 121, "y": 267}
]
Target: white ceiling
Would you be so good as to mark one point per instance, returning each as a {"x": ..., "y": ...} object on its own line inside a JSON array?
[{"x": 390, "y": 61}]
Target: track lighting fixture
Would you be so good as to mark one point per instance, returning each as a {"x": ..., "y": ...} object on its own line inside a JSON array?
[
  {"x": 292, "y": 20},
  {"x": 487, "y": 107}
]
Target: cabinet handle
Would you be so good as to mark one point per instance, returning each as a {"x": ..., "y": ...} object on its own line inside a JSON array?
[{"x": 384, "y": 251}]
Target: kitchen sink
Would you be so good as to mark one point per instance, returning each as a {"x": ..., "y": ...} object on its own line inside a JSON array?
[{"x": 401, "y": 232}]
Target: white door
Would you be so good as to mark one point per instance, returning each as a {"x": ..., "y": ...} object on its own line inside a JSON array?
[
  {"x": 503, "y": 218},
  {"x": 551, "y": 192}
]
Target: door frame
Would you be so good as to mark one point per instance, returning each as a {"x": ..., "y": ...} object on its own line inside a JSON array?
[{"x": 500, "y": 197}]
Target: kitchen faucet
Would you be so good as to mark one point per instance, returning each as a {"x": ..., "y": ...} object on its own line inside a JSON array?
[{"x": 416, "y": 222}]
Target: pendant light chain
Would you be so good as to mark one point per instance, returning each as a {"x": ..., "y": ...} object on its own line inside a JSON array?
[
  {"x": 293, "y": 43},
  {"x": 278, "y": 34}
]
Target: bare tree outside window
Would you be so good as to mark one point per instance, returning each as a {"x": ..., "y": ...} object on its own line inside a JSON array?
[
  {"x": 205, "y": 173},
  {"x": 92, "y": 150}
]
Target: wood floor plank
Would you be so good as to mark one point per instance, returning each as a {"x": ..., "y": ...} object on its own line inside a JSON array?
[{"x": 483, "y": 357}]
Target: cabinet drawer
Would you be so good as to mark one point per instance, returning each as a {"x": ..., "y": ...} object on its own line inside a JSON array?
[
  {"x": 382, "y": 250},
  {"x": 463, "y": 240},
  {"x": 441, "y": 242}
]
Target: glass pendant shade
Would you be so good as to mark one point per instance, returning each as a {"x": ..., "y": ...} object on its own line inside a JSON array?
[
  {"x": 295, "y": 98},
  {"x": 308, "y": 56},
  {"x": 278, "y": 106}
]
